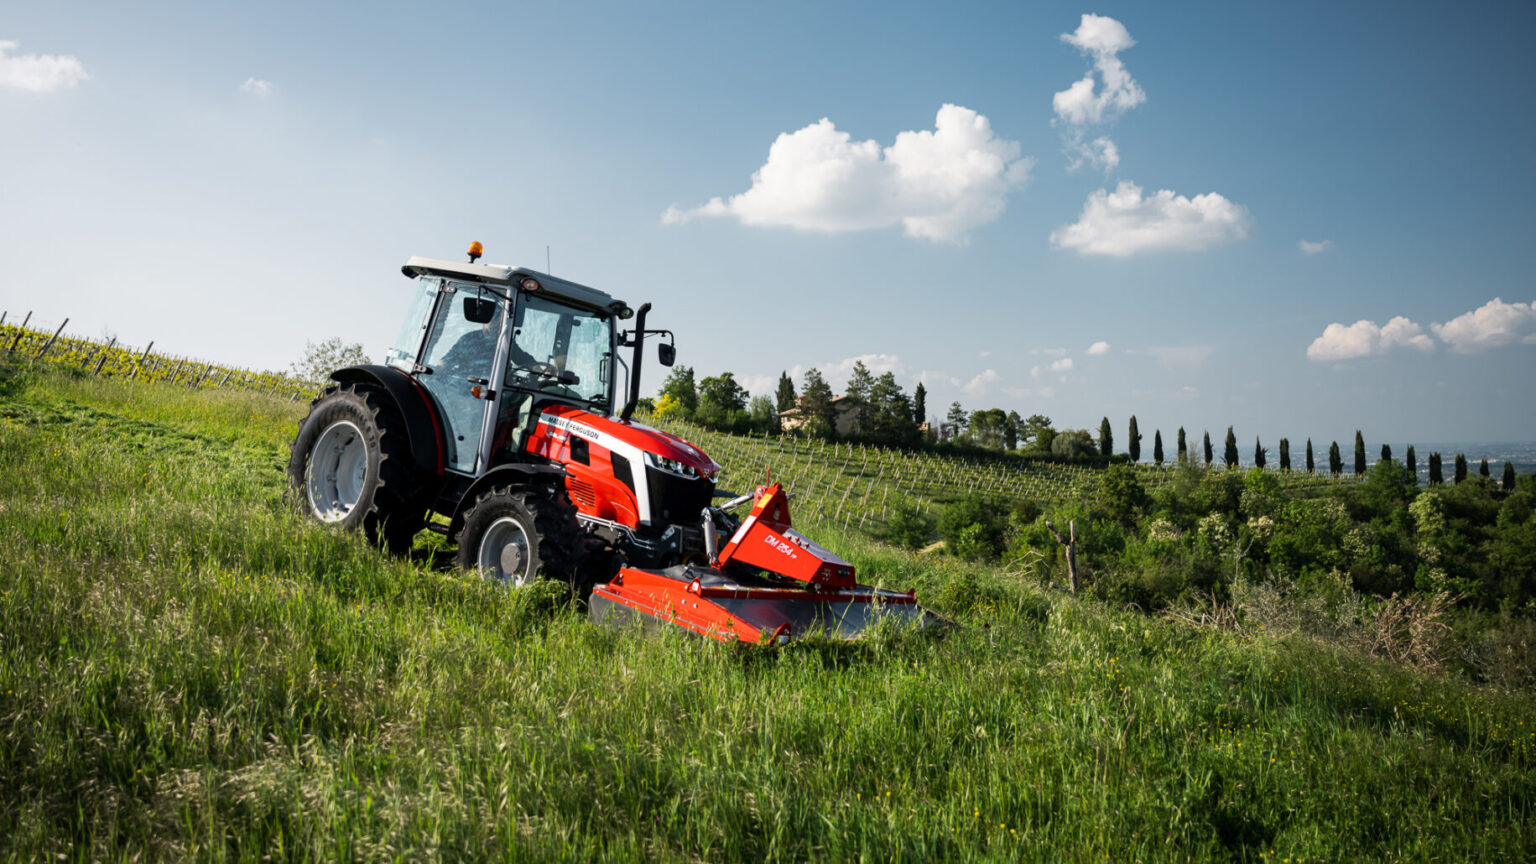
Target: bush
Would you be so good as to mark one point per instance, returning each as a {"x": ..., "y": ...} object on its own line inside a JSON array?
[
  {"x": 1121, "y": 494},
  {"x": 973, "y": 528},
  {"x": 908, "y": 527}
]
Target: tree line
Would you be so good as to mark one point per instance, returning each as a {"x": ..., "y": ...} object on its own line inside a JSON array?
[{"x": 875, "y": 409}]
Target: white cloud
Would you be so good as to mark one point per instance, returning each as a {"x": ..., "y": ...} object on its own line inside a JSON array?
[
  {"x": 938, "y": 185},
  {"x": 1049, "y": 352},
  {"x": 1364, "y": 338},
  {"x": 1083, "y": 103},
  {"x": 1123, "y": 223},
  {"x": 1492, "y": 325},
  {"x": 1100, "y": 153},
  {"x": 982, "y": 383},
  {"x": 1312, "y": 248},
  {"x": 1089, "y": 102},
  {"x": 38, "y": 73},
  {"x": 1062, "y": 365},
  {"x": 256, "y": 87},
  {"x": 1098, "y": 348}
]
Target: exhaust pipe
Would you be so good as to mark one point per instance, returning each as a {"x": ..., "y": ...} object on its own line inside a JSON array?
[{"x": 634, "y": 370}]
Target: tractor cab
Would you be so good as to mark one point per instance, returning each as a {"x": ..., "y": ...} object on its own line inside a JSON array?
[{"x": 495, "y": 345}]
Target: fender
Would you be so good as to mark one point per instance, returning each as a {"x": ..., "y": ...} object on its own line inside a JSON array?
[
  {"x": 512, "y": 473},
  {"x": 421, "y": 426}
]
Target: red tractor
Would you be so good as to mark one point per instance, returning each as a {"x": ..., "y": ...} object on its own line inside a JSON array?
[{"x": 496, "y": 409}]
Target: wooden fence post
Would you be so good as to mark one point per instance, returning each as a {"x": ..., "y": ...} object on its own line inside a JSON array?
[
  {"x": 22, "y": 331},
  {"x": 51, "y": 341},
  {"x": 103, "y": 359}
]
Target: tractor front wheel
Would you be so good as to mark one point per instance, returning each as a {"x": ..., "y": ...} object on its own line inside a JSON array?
[
  {"x": 350, "y": 466},
  {"x": 514, "y": 535}
]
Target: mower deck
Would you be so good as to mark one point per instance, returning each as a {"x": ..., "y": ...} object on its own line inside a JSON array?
[{"x": 712, "y": 603}]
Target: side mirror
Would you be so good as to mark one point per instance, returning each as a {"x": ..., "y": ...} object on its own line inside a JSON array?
[
  {"x": 479, "y": 311},
  {"x": 667, "y": 354}
]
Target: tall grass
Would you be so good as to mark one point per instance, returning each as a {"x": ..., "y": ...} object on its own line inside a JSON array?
[{"x": 189, "y": 670}]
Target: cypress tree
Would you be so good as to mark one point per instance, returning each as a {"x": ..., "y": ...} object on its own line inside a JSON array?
[
  {"x": 1157, "y": 447},
  {"x": 1413, "y": 466},
  {"x": 1285, "y": 455},
  {"x": 1207, "y": 449},
  {"x": 1229, "y": 453},
  {"x": 1436, "y": 477},
  {"x": 1386, "y": 452},
  {"x": 1135, "y": 445},
  {"x": 1258, "y": 453},
  {"x": 1335, "y": 461},
  {"x": 920, "y": 405},
  {"x": 1509, "y": 477},
  {"x": 1359, "y": 453},
  {"x": 1482, "y": 469},
  {"x": 784, "y": 399},
  {"x": 1461, "y": 467},
  {"x": 1106, "y": 438},
  {"x": 1311, "y": 466},
  {"x": 1183, "y": 447}
]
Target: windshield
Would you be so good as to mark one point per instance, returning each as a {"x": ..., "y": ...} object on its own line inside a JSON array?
[{"x": 575, "y": 342}]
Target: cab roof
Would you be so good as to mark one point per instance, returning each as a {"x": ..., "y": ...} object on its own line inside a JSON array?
[{"x": 498, "y": 274}]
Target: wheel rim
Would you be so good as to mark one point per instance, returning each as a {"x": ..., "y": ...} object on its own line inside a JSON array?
[
  {"x": 338, "y": 467},
  {"x": 504, "y": 552}
]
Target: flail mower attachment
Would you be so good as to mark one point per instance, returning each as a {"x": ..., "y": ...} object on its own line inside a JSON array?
[{"x": 768, "y": 584}]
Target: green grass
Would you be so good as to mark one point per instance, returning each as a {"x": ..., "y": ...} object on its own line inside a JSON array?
[{"x": 189, "y": 670}]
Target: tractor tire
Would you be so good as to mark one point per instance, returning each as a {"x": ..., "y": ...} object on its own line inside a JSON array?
[
  {"x": 350, "y": 465},
  {"x": 515, "y": 534}
]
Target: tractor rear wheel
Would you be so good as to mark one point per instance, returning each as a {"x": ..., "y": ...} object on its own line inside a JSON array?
[
  {"x": 514, "y": 535},
  {"x": 351, "y": 466}
]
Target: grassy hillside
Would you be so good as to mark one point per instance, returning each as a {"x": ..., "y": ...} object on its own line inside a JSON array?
[
  {"x": 187, "y": 669},
  {"x": 853, "y": 485}
]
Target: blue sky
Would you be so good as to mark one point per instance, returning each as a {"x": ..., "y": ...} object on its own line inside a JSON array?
[{"x": 1284, "y": 185}]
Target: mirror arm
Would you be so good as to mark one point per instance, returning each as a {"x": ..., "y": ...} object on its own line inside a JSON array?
[{"x": 634, "y": 372}]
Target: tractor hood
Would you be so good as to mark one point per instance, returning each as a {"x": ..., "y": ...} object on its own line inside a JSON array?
[{"x": 611, "y": 430}]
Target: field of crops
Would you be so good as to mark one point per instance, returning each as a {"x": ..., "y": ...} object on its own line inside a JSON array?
[
  {"x": 111, "y": 360},
  {"x": 832, "y": 483},
  {"x": 856, "y": 486}
]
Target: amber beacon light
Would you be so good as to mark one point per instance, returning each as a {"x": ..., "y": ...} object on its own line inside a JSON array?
[{"x": 475, "y": 251}]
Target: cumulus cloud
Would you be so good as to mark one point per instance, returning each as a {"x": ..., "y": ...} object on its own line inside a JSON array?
[
  {"x": 1088, "y": 101},
  {"x": 1098, "y": 348},
  {"x": 1062, "y": 365},
  {"x": 38, "y": 73},
  {"x": 1107, "y": 91},
  {"x": 1312, "y": 248},
  {"x": 1492, "y": 325},
  {"x": 938, "y": 184},
  {"x": 1124, "y": 222},
  {"x": 256, "y": 87},
  {"x": 1049, "y": 352},
  {"x": 982, "y": 383},
  {"x": 1364, "y": 338}
]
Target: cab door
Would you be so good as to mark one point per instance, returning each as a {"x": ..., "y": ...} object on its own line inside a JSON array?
[{"x": 460, "y": 358}]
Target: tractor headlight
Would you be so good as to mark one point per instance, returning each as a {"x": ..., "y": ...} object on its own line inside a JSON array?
[{"x": 671, "y": 466}]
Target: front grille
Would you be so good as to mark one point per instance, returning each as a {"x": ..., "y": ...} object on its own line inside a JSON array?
[
  {"x": 675, "y": 499},
  {"x": 582, "y": 493}
]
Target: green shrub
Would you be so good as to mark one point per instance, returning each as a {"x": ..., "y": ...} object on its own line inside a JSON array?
[
  {"x": 908, "y": 527},
  {"x": 973, "y": 528}
]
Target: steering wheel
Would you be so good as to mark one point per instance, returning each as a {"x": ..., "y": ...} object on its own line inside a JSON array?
[{"x": 538, "y": 370}]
